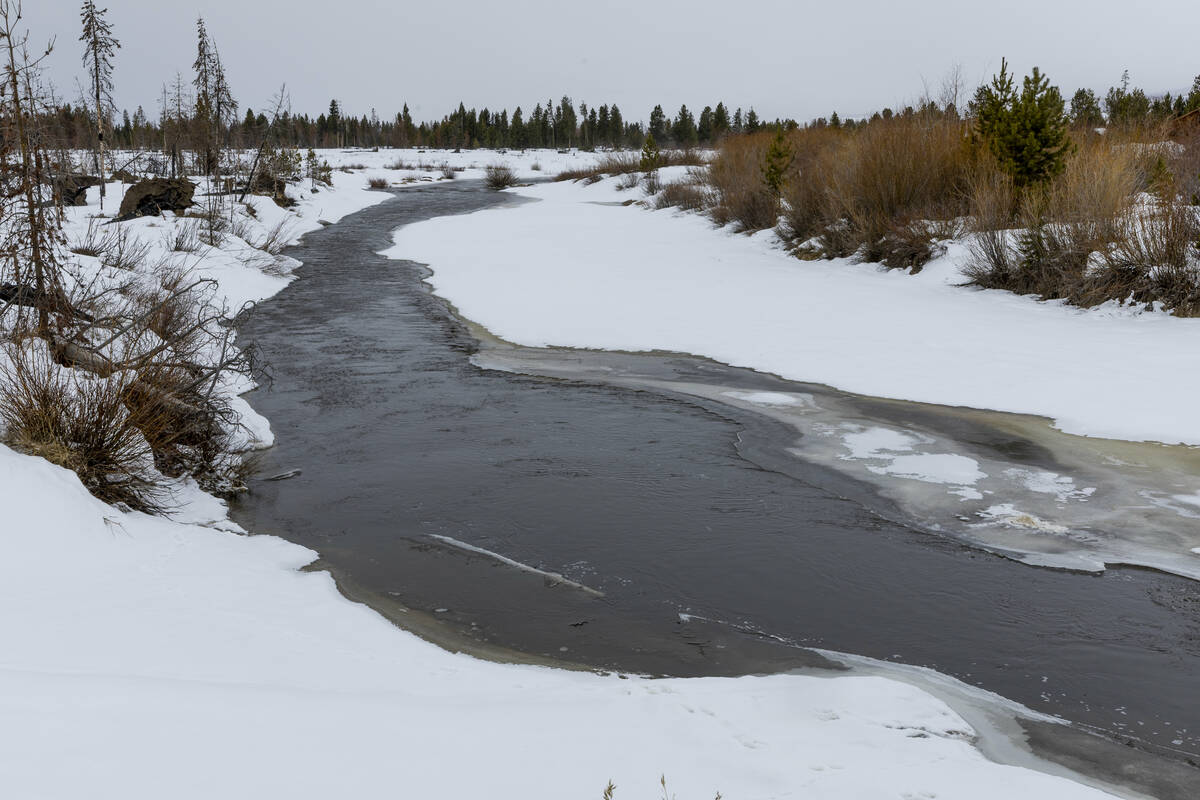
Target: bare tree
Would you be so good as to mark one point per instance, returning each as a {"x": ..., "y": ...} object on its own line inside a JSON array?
[
  {"x": 99, "y": 45},
  {"x": 35, "y": 233}
]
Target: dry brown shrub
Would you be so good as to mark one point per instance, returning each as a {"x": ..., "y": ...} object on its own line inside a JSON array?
[
  {"x": 806, "y": 207},
  {"x": 736, "y": 174},
  {"x": 897, "y": 172},
  {"x": 500, "y": 176},
  {"x": 690, "y": 195},
  {"x": 80, "y": 422},
  {"x": 625, "y": 163}
]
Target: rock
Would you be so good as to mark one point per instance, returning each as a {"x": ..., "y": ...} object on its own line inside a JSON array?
[
  {"x": 153, "y": 196},
  {"x": 74, "y": 188}
]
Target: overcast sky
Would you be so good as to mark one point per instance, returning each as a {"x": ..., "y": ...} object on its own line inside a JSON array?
[{"x": 786, "y": 59}]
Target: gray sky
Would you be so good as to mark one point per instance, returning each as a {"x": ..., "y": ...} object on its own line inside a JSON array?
[{"x": 787, "y": 59}]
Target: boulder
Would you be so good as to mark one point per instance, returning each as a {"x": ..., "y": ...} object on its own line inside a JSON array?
[
  {"x": 74, "y": 188},
  {"x": 153, "y": 196}
]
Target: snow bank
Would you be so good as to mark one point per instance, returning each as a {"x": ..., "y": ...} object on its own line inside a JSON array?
[{"x": 578, "y": 269}]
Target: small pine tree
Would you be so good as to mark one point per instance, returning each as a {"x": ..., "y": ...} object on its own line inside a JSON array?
[
  {"x": 651, "y": 157},
  {"x": 1026, "y": 132},
  {"x": 777, "y": 161}
]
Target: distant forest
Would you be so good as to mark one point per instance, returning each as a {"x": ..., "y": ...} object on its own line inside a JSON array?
[
  {"x": 549, "y": 124},
  {"x": 558, "y": 125}
]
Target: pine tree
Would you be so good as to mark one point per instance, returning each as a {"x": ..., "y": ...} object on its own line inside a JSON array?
[
  {"x": 1085, "y": 109},
  {"x": 1193, "y": 99},
  {"x": 658, "y": 124},
  {"x": 777, "y": 161},
  {"x": 752, "y": 123},
  {"x": 704, "y": 126},
  {"x": 616, "y": 126},
  {"x": 1027, "y": 133},
  {"x": 720, "y": 123},
  {"x": 99, "y": 45},
  {"x": 651, "y": 157},
  {"x": 684, "y": 128}
]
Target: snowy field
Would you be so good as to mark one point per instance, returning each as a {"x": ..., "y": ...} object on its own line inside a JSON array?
[
  {"x": 146, "y": 657},
  {"x": 621, "y": 278}
]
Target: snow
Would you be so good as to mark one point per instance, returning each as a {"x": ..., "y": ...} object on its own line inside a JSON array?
[
  {"x": 1046, "y": 482},
  {"x": 771, "y": 398},
  {"x": 178, "y": 657},
  {"x": 605, "y": 276},
  {"x": 892, "y": 446}
]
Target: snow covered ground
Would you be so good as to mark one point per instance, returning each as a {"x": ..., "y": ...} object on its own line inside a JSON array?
[
  {"x": 578, "y": 269},
  {"x": 147, "y": 657}
]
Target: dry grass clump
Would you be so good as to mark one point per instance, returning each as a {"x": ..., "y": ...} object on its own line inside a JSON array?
[
  {"x": 448, "y": 172},
  {"x": 92, "y": 242},
  {"x": 80, "y": 422},
  {"x": 184, "y": 238},
  {"x": 123, "y": 250},
  {"x": 689, "y": 195},
  {"x": 500, "y": 177},
  {"x": 377, "y": 183},
  {"x": 276, "y": 239}
]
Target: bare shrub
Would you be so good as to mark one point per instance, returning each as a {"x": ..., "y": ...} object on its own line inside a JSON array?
[
  {"x": 79, "y": 422},
  {"x": 651, "y": 182},
  {"x": 1156, "y": 257},
  {"x": 500, "y": 176},
  {"x": 690, "y": 195},
  {"x": 92, "y": 242},
  {"x": 1060, "y": 228},
  {"x": 742, "y": 196},
  {"x": 124, "y": 251},
  {"x": 276, "y": 239},
  {"x": 894, "y": 173},
  {"x": 536, "y": 166},
  {"x": 448, "y": 172},
  {"x": 806, "y": 206},
  {"x": 184, "y": 237}
]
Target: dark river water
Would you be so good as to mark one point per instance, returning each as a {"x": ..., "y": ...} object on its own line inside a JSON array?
[{"x": 644, "y": 498}]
